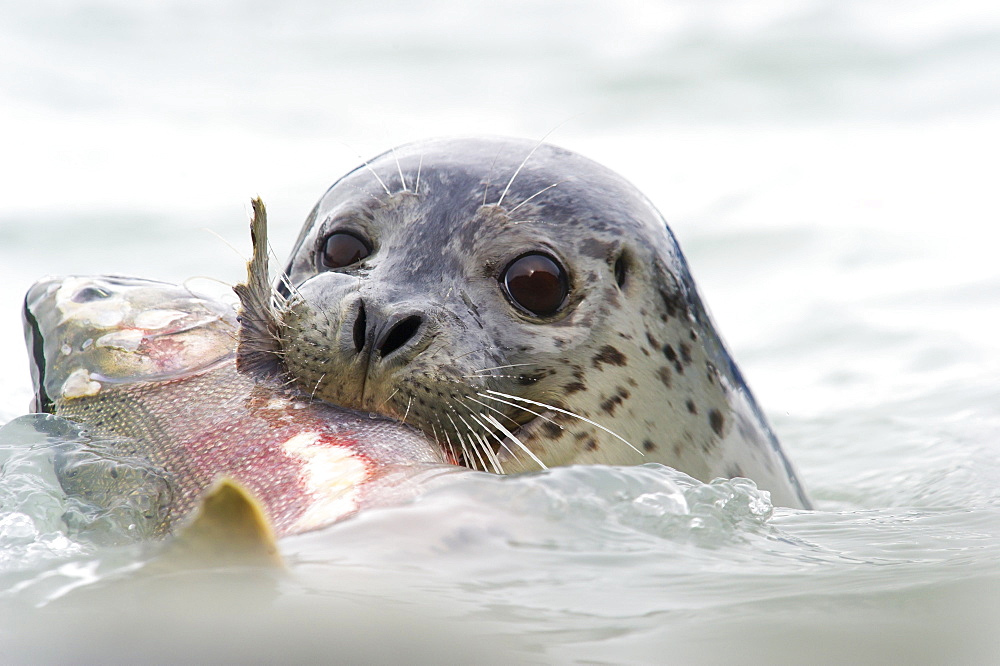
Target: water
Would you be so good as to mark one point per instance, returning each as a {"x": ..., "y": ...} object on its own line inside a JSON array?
[{"x": 828, "y": 167}]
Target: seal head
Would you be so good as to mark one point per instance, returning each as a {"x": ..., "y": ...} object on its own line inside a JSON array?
[{"x": 525, "y": 307}]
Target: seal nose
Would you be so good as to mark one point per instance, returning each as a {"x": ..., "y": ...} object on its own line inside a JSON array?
[
  {"x": 398, "y": 334},
  {"x": 395, "y": 334},
  {"x": 360, "y": 328}
]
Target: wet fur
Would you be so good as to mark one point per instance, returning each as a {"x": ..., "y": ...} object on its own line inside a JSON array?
[{"x": 630, "y": 370}]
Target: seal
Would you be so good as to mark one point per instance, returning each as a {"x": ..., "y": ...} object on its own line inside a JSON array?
[{"x": 523, "y": 306}]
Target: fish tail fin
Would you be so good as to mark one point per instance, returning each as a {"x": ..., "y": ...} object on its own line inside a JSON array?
[
  {"x": 230, "y": 527},
  {"x": 258, "y": 352}
]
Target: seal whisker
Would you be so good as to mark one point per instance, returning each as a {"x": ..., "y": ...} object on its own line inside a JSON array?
[
  {"x": 492, "y": 375},
  {"x": 458, "y": 433},
  {"x": 564, "y": 411},
  {"x": 282, "y": 278},
  {"x": 409, "y": 402},
  {"x": 486, "y": 448},
  {"x": 289, "y": 381},
  {"x": 498, "y": 367},
  {"x": 517, "y": 171},
  {"x": 503, "y": 442},
  {"x": 225, "y": 242},
  {"x": 312, "y": 395},
  {"x": 381, "y": 404},
  {"x": 466, "y": 456},
  {"x": 420, "y": 165},
  {"x": 192, "y": 292},
  {"x": 482, "y": 349},
  {"x": 517, "y": 441},
  {"x": 488, "y": 431},
  {"x": 523, "y": 162},
  {"x": 380, "y": 181},
  {"x": 544, "y": 189},
  {"x": 399, "y": 168},
  {"x": 490, "y": 453},
  {"x": 293, "y": 290},
  {"x": 522, "y": 408},
  {"x": 444, "y": 431},
  {"x": 493, "y": 409},
  {"x": 452, "y": 453},
  {"x": 489, "y": 174},
  {"x": 366, "y": 192}
]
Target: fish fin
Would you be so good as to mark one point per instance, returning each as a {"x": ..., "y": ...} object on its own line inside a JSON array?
[
  {"x": 230, "y": 527},
  {"x": 258, "y": 349},
  {"x": 36, "y": 353}
]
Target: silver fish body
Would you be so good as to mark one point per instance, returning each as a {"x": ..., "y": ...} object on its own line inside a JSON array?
[{"x": 154, "y": 366}]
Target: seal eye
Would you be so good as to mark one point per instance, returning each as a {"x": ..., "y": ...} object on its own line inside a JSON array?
[
  {"x": 537, "y": 283},
  {"x": 342, "y": 249}
]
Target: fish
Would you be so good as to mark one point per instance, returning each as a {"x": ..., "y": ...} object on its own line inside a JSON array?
[{"x": 174, "y": 386}]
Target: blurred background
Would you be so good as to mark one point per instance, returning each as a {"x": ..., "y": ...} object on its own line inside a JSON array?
[
  {"x": 775, "y": 136},
  {"x": 171, "y": 108},
  {"x": 822, "y": 130}
]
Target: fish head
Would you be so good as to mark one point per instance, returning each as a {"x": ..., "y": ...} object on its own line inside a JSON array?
[{"x": 84, "y": 332}]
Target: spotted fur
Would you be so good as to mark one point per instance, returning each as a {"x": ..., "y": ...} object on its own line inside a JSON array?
[{"x": 629, "y": 370}]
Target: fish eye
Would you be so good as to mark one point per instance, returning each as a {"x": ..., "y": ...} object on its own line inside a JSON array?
[
  {"x": 536, "y": 283},
  {"x": 88, "y": 294},
  {"x": 342, "y": 249}
]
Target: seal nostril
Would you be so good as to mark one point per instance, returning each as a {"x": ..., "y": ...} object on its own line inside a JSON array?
[
  {"x": 360, "y": 326},
  {"x": 399, "y": 335}
]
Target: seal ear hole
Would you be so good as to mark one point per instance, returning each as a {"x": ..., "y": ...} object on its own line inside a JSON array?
[{"x": 621, "y": 270}]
